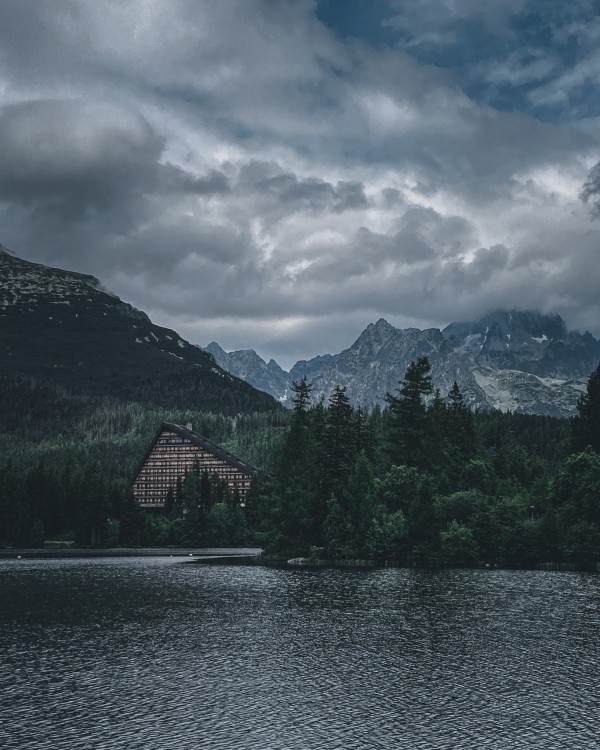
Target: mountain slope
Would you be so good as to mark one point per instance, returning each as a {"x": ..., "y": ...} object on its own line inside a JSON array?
[
  {"x": 247, "y": 365},
  {"x": 62, "y": 328},
  {"x": 517, "y": 361}
]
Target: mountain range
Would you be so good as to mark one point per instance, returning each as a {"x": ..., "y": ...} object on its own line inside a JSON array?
[
  {"x": 514, "y": 360},
  {"x": 62, "y": 329}
]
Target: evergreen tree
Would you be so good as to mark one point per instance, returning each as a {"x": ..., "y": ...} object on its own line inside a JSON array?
[
  {"x": 575, "y": 491},
  {"x": 422, "y": 530},
  {"x": 205, "y": 491},
  {"x": 387, "y": 536},
  {"x": 409, "y": 427},
  {"x": 339, "y": 445},
  {"x": 357, "y": 500},
  {"x": 37, "y": 535},
  {"x": 364, "y": 439},
  {"x": 438, "y": 438},
  {"x": 22, "y": 521},
  {"x": 297, "y": 478},
  {"x": 586, "y": 426},
  {"x": 130, "y": 533},
  {"x": 395, "y": 489},
  {"x": 94, "y": 509},
  {"x": 338, "y": 532},
  {"x": 9, "y": 500},
  {"x": 251, "y": 505},
  {"x": 302, "y": 390},
  {"x": 461, "y": 432},
  {"x": 169, "y": 503},
  {"x": 178, "y": 499}
]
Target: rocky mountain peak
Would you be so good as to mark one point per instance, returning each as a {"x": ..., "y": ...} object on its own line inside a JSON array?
[
  {"x": 214, "y": 349},
  {"x": 381, "y": 326},
  {"x": 249, "y": 366},
  {"x": 508, "y": 359},
  {"x": 375, "y": 337}
]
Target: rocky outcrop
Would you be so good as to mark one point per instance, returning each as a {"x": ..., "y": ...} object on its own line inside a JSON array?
[{"x": 247, "y": 365}]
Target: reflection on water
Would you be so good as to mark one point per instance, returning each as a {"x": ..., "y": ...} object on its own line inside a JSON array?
[{"x": 154, "y": 653}]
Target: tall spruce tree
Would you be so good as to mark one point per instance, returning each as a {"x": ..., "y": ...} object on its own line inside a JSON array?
[
  {"x": 586, "y": 426},
  {"x": 293, "y": 521},
  {"x": 409, "y": 426},
  {"x": 340, "y": 439},
  {"x": 302, "y": 390},
  {"x": 461, "y": 432},
  {"x": 422, "y": 530}
]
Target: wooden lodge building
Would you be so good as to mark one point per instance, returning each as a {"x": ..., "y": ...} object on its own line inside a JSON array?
[{"x": 172, "y": 452}]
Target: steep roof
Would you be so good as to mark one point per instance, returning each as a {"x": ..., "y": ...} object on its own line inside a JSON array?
[
  {"x": 208, "y": 445},
  {"x": 201, "y": 442}
]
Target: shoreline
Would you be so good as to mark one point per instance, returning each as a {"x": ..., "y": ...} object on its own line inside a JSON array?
[
  {"x": 229, "y": 553},
  {"x": 252, "y": 556}
]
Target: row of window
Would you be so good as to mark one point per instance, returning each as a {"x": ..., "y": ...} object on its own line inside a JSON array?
[
  {"x": 165, "y": 467},
  {"x": 204, "y": 459},
  {"x": 183, "y": 463},
  {"x": 158, "y": 495},
  {"x": 151, "y": 486}
]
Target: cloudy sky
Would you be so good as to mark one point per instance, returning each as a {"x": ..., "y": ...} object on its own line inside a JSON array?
[{"x": 276, "y": 174}]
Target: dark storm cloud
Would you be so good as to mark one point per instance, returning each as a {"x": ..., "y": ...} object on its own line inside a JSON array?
[
  {"x": 85, "y": 177},
  {"x": 75, "y": 159},
  {"x": 285, "y": 172},
  {"x": 375, "y": 267},
  {"x": 485, "y": 263},
  {"x": 288, "y": 192}
]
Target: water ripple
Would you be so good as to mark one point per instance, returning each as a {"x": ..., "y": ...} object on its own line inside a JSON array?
[{"x": 153, "y": 653}]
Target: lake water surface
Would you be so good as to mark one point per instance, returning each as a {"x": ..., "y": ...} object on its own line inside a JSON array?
[{"x": 157, "y": 653}]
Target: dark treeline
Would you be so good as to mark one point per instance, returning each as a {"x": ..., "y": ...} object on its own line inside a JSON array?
[{"x": 426, "y": 481}]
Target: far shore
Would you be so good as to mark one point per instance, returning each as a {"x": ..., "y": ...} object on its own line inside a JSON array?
[
  {"x": 203, "y": 552},
  {"x": 248, "y": 556}
]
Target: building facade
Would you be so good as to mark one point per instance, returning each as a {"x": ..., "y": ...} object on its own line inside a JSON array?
[{"x": 172, "y": 452}]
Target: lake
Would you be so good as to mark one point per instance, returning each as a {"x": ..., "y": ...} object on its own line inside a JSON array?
[{"x": 160, "y": 653}]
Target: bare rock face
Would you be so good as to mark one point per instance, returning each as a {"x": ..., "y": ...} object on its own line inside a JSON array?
[
  {"x": 247, "y": 365},
  {"x": 371, "y": 366},
  {"x": 509, "y": 360}
]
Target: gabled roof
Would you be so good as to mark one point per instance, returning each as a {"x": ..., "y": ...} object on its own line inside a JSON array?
[
  {"x": 208, "y": 445},
  {"x": 201, "y": 442}
]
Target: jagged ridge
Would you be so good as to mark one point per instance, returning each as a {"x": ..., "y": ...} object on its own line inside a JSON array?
[{"x": 510, "y": 360}]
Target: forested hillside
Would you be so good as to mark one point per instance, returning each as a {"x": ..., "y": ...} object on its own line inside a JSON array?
[
  {"x": 62, "y": 330},
  {"x": 67, "y": 461}
]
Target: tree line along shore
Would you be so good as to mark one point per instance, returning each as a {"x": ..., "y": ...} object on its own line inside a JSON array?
[{"x": 421, "y": 482}]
